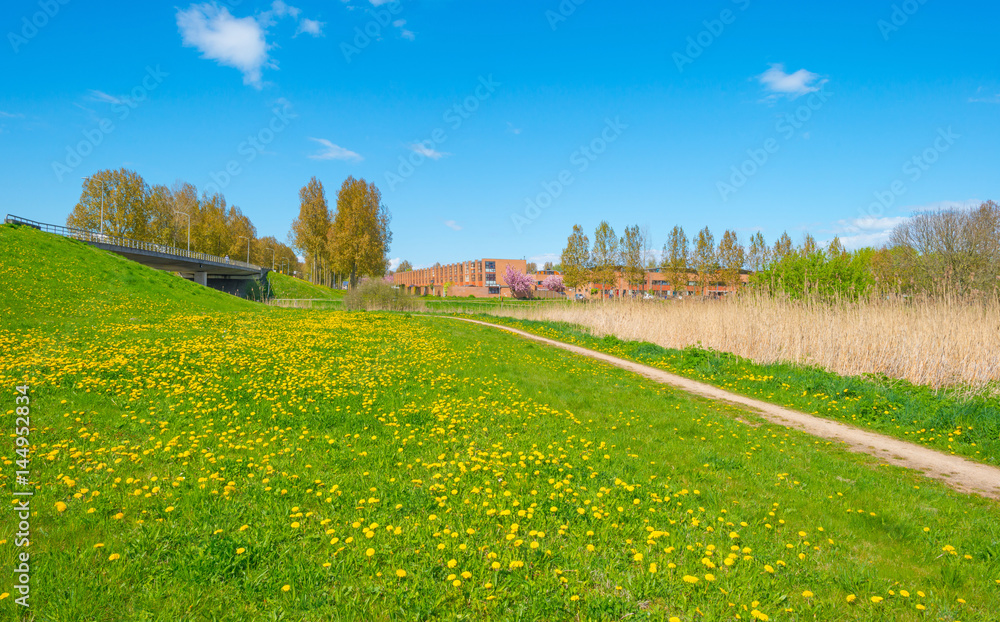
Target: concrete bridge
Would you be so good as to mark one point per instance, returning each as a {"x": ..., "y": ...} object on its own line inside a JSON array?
[{"x": 233, "y": 277}]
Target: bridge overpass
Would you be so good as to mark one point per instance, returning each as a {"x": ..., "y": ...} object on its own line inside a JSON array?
[{"x": 231, "y": 276}]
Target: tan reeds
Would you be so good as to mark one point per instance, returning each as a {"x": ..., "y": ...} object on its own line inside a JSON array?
[{"x": 943, "y": 342}]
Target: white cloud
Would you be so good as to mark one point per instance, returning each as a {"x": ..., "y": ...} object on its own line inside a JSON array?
[
  {"x": 311, "y": 27},
  {"x": 236, "y": 42},
  {"x": 427, "y": 152},
  {"x": 394, "y": 263},
  {"x": 544, "y": 257},
  {"x": 792, "y": 85},
  {"x": 454, "y": 226},
  {"x": 282, "y": 9},
  {"x": 408, "y": 35},
  {"x": 512, "y": 129},
  {"x": 333, "y": 152},
  {"x": 10, "y": 115}
]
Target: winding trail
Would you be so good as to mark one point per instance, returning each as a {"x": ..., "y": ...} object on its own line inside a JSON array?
[{"x": 957, "y": 472}]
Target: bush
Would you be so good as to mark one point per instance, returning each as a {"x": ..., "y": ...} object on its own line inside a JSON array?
[{"x": 378, "y": 295}]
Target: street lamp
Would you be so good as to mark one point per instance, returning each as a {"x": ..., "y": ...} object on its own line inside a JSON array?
[
  {"x": 102, "y": 203},
  {"x": 243, "y": 237},
  {"x": 189, "y": 226}
]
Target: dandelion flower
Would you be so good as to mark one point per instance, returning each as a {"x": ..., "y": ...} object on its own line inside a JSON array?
[
  {"x": 401, "y": 573},
  {"x": 60, "y": 506},
  {"x": 113, "y": 557},
  {"x": 285, "y": 588}
]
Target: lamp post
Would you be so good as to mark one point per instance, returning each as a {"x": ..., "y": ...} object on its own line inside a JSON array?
[
  {"x": 272, "y": 258},
  {"x": 189, "y": 227},
  {"x": 243, "y": 237},
  {"x": 102, "y": 203}
]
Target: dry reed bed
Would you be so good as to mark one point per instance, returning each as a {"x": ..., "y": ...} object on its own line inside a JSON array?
[{"x": 940, "y": 343}]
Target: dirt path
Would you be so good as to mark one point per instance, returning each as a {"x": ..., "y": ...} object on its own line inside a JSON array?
[{"x": 961, "y": 474}]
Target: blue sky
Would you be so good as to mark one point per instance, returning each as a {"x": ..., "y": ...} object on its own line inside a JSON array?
[{"x": 493, "y": 127}]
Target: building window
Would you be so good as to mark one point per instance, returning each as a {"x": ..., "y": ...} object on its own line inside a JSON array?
[
  {"x": 491, "y": 266},
  {"x": 494, "y": 290}
]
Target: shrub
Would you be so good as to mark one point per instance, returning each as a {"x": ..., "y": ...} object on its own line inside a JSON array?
[{"x": 377, "y": 295}]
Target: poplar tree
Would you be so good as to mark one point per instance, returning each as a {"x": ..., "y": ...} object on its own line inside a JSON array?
[
  {"x": 360, "y": 236},
  {"x": 632, "y": 249},
  {"x": 576, "y": 259},
  {"x": 605, "y": 254},
  {"x": 704, "y": 258},
  {"x": 676, "y": 259},
  {"x": 311, "y": 228}
]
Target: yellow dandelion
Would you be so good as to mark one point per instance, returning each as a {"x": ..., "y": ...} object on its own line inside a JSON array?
[
  {"x": 241, "y": 551},
  {"x": 285, "y": 588},
  {"x": 113, "y": 557},
  {"x": 401, "y": 573},
  {"x": 60, "y": 506}
]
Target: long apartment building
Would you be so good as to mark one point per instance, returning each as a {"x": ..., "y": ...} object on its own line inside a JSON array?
[{"x": 482, "y": 278}]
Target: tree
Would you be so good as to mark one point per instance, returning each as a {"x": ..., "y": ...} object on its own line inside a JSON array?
[
  {"x": 554, "y": 283},
  {"x": 310, "y": 231},
  {"x": 757, "y": 254},
  {"x": 782, "y": 248},
  {"x": 125, "y": 205},
  {"x": 633, "y": 265},
  {"x": 676, "y": 257},
  {"x": 404, "y": 266},
  {"x": 520, "y": 284},
  {"x": 836, "y": 248},
  {"x": 576, "y": 259},
  {"x": 950, "y": 250},
  {"x": 704, "y": 258},
  {"x": 605, "y": 255},
  {"x": 531, "y": 267},
  {"x": 731, "y": 256},
  {"x": 548, "y": 266},
  {"x": 360, "y": 235},
  {"x": 809, "y": 245}
]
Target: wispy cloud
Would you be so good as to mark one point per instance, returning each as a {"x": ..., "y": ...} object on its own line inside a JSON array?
[
  {"x": 512, "y": 129},
  {"x": 427, "y": 152},
  {"x": 792, "y": 85},
  {"x": 454, "y": 226},
  {"x": 10, "y": 115},
  {"x": 983, "y": 96},
  {"x": 331, "y": 151},
  {"x": 101, "y": 96}
]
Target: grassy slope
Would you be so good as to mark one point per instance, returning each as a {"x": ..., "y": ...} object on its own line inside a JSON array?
[
  {"x": 234, "y": 456},
  {"x": 284, "y": 286},
  {"x": 967, "y": 426},
  {"x": 49, "y": 280}
]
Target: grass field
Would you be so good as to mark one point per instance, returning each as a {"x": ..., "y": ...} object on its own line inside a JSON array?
[
  {"x": 208, "y": 459},
  {"x": 954, "y": 422},
  {"x": 285, "y": 286}
]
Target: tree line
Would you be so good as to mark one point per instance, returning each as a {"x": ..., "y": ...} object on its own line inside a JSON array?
[
  {"x": 944, "y": 251},
  {"x": 174, "y": 216},
  {"x": 346, "y": 243}
]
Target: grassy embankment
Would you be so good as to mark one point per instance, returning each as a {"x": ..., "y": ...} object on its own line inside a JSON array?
[{"x": 192, "y": 461}]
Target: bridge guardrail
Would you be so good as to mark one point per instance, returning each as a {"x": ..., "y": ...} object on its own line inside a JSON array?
[{"x": 123, "y": 242}]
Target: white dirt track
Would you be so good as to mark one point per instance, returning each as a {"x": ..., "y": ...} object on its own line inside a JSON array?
[{"x": 957, "y": 472}]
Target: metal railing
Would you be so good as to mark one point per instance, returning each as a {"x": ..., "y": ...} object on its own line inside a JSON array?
[{"x": 126, "y": 243}]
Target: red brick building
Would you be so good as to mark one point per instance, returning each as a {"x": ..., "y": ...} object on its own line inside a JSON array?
[{"x": 482, "y": 278}]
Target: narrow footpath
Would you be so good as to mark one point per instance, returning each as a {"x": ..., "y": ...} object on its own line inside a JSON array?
[{"x": 957, "y": 472}]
